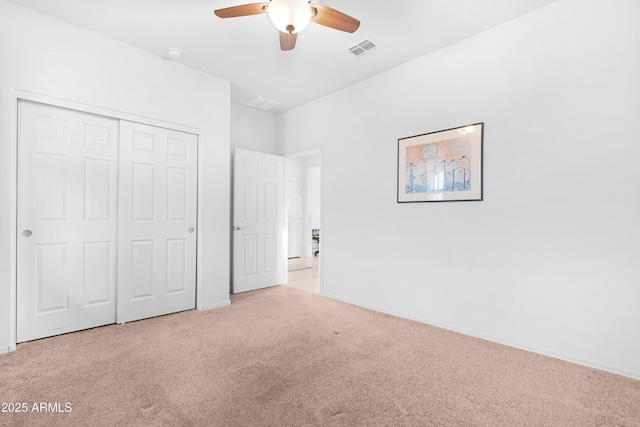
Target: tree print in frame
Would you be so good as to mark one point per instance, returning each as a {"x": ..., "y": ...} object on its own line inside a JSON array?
[{"x": 441, "y": 166}]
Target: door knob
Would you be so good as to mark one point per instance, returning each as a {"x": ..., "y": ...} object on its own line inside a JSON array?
[
  {"x": 26, "y": 233},
  {"x": 236, "y": 228},
  {"x": 191, "y": 229}
]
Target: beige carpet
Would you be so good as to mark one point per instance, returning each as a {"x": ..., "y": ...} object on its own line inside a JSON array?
[{"x": 283, "y": 357}]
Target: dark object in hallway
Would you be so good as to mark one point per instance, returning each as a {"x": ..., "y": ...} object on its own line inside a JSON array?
[{"x": 315, "y": 236}]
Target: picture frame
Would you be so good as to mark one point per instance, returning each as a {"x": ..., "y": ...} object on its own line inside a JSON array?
[{"x": 441, "y": 166}]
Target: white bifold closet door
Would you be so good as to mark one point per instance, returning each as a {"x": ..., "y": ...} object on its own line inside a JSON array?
[
  {"x": 106, "y": 221},
  {"x": 67, "y": 220},
  {"x": 157, "y": 220}
]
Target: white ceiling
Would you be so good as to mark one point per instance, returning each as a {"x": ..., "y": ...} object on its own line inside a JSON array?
[{"x": 246, "y": 50}]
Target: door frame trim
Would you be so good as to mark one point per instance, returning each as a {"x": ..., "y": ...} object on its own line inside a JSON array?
[{"x": 21, "y": 95}]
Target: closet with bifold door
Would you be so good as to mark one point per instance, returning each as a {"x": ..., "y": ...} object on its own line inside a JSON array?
[{"x": 106, "y": 220}]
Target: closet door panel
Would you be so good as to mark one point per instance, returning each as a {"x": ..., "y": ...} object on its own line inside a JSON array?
[
  {"x": 157, "y": 221},
  {"x": 67, "y": 172}
]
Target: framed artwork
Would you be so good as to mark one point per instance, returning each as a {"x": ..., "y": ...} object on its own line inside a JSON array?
[{"x": 442, "y": 166}]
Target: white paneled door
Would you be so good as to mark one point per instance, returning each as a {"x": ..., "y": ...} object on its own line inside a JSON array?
[
  {"x": 258, "y": 214},
  {"x": 67, "y": 201},
  {"x": 106, "y": 217},
  {"x": 157, "y": 234},
  {"x": 294, "y": 216}
]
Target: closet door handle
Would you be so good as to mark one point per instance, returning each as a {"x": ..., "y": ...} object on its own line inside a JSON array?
[
  {"x": 26, "y": 233},
  {"x": 191, "y": 229}
]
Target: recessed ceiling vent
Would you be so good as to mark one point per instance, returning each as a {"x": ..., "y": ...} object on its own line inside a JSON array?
[
  {"x": 362, "y": 47},
  {"x": 261, "y": 103}
]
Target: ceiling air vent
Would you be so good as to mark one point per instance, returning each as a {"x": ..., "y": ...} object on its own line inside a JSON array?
[
  {"x": 261, "y": 103},
  {"x": 362, "y": 47}
]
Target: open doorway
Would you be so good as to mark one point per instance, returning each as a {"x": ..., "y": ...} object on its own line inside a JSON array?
[{"x": 303, "y": 213}]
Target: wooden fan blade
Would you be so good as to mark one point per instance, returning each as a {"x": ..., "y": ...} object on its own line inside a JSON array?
[
  {"x": 242, "y": 10},
  {"x": 287, "y": 41},
  {"x": 334, "y": 19}
]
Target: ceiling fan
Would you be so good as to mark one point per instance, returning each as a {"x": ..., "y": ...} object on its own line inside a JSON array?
[{"x": 292, "y": 16}]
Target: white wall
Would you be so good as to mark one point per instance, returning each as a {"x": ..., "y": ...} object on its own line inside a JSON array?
[
  {"x": 548, "y": 261},
  {"x": 47, "y": 57},
  {"x": 253, "y": 129},
  {"x": 295, "y": 168}
]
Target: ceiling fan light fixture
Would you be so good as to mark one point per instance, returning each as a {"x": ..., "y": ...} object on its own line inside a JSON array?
[{"x": 290, "y": 16}]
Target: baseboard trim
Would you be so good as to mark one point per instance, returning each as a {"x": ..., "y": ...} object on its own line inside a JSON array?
[
  {"x": 212, "y": 306},
  {"x": 556, "y": 355}
]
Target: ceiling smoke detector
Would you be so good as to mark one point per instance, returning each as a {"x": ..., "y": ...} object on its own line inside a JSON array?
[{"x": 174, "y": 53}]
